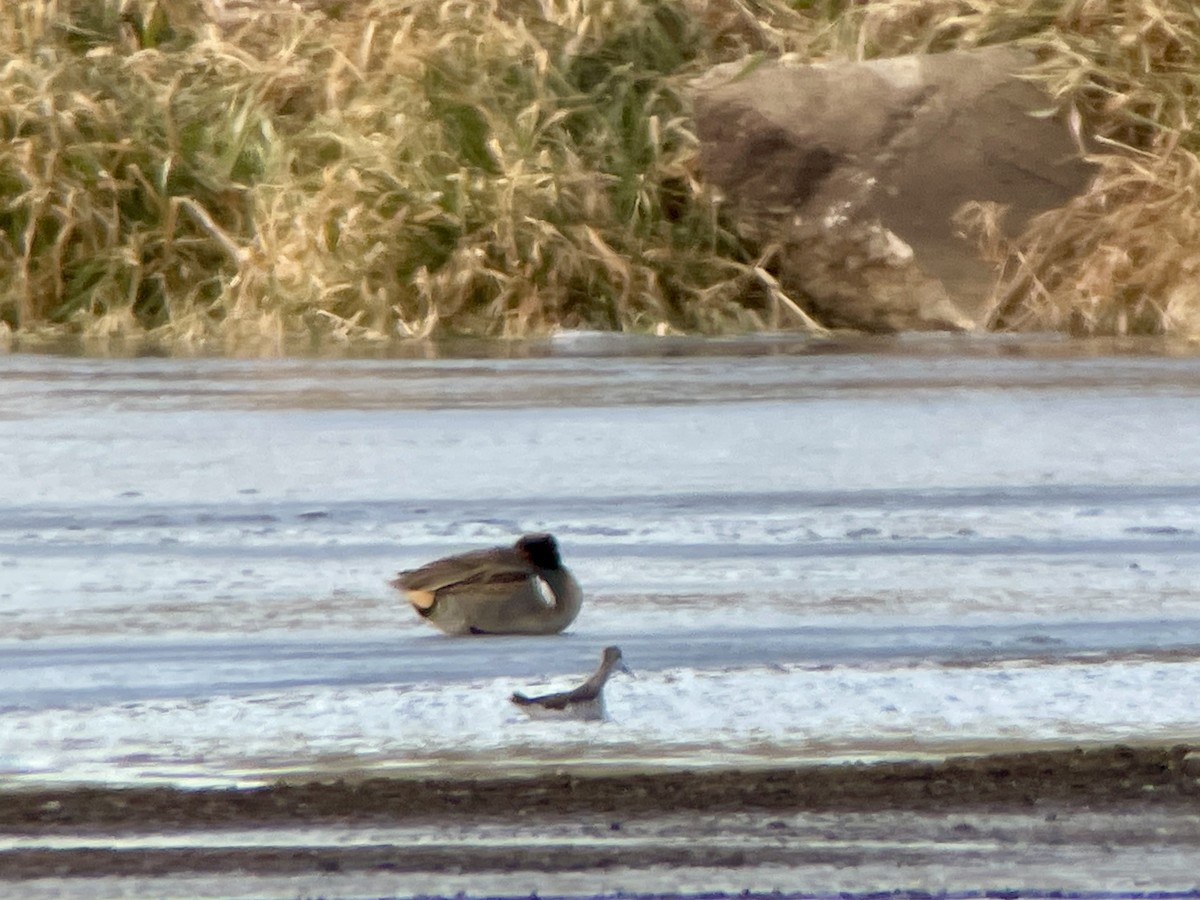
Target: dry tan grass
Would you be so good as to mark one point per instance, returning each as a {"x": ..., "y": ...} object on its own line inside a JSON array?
[
  {"x": 1123, "y": 258},
  {"x": 250, "y": 173},
  {"x": 244, "y": 175}
]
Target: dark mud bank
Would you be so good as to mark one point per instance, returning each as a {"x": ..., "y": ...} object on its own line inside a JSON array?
[{"x": 1159, "y": 776}]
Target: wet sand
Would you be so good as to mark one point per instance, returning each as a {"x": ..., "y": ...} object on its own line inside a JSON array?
[{"x": 85, "y": 831}]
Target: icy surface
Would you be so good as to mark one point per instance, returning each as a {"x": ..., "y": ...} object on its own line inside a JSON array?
[
  {"x": 804, "y": 552},
  {"x": 707, "y": 717}
]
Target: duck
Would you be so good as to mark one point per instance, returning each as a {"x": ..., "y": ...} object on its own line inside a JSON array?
[
  {"x": 522, "y": 589},
  {"x": 585, "y": 702}
]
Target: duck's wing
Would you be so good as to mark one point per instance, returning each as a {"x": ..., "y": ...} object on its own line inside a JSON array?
[{"x": 498, "y": 569}]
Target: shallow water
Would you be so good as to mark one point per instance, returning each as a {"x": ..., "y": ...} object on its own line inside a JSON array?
[{"x": 805, "y": 550}]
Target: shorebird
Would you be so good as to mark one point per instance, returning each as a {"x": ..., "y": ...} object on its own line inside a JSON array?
[
  {"x": 498, "y": 591},
  {"x": 585, "y": 702}
]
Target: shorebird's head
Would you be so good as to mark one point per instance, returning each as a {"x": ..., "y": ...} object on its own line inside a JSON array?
[
  {"x": 540, "y": 550},
  {"x": 611, "y": 659}
]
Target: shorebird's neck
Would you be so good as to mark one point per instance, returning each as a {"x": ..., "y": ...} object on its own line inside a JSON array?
[{"x": 596, "y": 683}]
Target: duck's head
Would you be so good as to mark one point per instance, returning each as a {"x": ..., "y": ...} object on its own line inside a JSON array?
[{"x": 540, "y": 550}]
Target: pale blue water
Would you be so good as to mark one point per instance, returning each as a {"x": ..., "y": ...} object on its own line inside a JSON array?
[{"x": 177, "y": 530}]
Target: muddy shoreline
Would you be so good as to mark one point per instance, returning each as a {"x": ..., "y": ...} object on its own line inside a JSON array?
[
  {"x": 1054, "y": 786},
  {"x": 1159, "y": 776}
]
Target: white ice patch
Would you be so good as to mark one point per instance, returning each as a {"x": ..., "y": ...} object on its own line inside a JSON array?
[{"x": 692, "y": 716}]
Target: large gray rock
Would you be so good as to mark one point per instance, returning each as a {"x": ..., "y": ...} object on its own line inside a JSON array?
[{"x": 864, "y": 165}]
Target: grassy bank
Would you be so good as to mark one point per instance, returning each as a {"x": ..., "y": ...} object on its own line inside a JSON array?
[{"x": 245, "y": 176}]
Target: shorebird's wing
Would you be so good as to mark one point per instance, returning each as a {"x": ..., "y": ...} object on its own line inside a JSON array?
[
  {"x": 499, "y": 569},
  {"x": 546, "y": 701}
]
